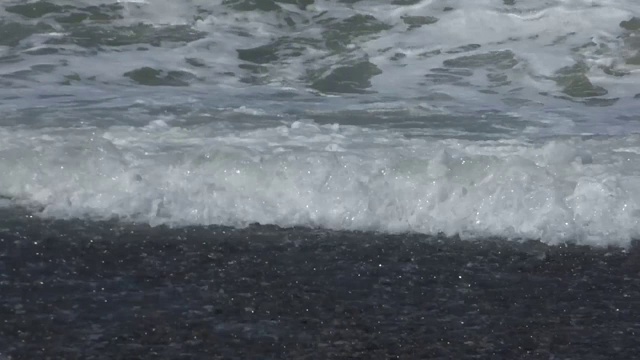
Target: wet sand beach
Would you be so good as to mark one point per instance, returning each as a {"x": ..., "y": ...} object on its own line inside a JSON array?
[{"x": 108, "y": 290}]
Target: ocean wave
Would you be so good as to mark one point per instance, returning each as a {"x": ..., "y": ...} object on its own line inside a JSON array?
[{"x": 582, "y": 189}]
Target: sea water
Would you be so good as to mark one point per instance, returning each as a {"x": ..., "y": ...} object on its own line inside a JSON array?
[{"x": 485, "y": 118}]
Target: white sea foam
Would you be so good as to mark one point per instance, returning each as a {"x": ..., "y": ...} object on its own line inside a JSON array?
[
  {"x": 330, "y": 176},
  {"x": 543, "y": 36},
  {"x": 440, "y": 139}
]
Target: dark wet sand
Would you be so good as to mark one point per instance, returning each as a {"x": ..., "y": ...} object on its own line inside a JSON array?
[{"x": 103, "y": 290}]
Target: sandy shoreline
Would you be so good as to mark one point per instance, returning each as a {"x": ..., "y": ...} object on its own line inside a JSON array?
[{"x": 71, "y": 289}]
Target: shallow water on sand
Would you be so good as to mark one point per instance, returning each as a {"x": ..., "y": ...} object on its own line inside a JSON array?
[
  {"x": 434, "y": 179},
  {"x": 472, "y": 118}
]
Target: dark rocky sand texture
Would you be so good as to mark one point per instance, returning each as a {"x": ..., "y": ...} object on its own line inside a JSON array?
[{"x": 104, "y": 290}]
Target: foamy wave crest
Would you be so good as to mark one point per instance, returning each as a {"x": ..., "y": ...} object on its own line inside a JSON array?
[{"x": 329, "y": 176}]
